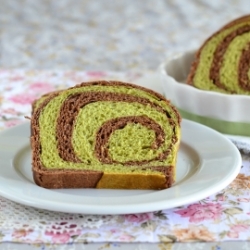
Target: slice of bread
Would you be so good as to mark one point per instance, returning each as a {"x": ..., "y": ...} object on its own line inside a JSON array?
[
  {"x": 222, "y": 62},
  {"x": 104, "y": 134}
]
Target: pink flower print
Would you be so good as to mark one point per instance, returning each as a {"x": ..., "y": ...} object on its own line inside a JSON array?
[
  {"x": 59, "y": 237},
  {"x": 139, "y": 218},
  {"x": 239, "y": 228},
  {"x": 41, "y": 87},
  {"x": 114, "y": 230},
  {"x": 12, "y": 123},
  {"x": 236, "y": 229},
  {"x": 200, "y": 212},
  {"x": 126, "y": 237},
  {"x": 243, "y": 199},
  {"x": 96, "y": 73},
  {"x": 16, "y": 78},
  {"x": 62, "y": 237},
  {"x": 9, "y": 111},
  {"x": 23, "y": 98}
]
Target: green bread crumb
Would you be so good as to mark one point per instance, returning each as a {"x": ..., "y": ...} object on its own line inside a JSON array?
[{"x": 89, "y": 120}]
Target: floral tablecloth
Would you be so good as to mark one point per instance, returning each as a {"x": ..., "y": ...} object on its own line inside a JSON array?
[{"x": 221, "y": 218}]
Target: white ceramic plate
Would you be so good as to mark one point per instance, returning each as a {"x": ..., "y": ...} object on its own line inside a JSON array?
[{"x": 207, "y": 162}]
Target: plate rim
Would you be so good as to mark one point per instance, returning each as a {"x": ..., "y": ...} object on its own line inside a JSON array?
[{"x": 126, "y": 208}]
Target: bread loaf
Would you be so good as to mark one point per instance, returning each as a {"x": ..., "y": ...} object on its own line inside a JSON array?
[{"x": 104, "y": 134}]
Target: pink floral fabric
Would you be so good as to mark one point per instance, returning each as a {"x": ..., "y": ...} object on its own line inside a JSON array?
[
  {"x": 201, "y": 212},
  {"x": 224, "y": 216}
]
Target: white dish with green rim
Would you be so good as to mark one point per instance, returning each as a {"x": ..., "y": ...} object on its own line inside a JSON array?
[{"x": 226, "y": 113}]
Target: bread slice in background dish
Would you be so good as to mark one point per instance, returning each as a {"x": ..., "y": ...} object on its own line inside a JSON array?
[
  {"x": 104, "y": 134},
  {"x": 222, "y": 62}
]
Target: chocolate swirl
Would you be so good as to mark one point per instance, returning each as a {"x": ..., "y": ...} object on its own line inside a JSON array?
[{"x": 74, "y": 101}]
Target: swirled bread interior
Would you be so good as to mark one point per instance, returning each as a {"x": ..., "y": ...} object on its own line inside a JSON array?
[
  {"x": 222, "y": 62},
  {"x": 104, "y": 134}
]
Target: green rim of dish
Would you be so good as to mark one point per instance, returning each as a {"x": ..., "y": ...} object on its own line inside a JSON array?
[{"x": 226, "y": 127}]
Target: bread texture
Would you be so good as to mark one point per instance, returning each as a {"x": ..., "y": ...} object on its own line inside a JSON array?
[
  {"x": 222, "y": 62},
  {"x": 104, "y": 134}
]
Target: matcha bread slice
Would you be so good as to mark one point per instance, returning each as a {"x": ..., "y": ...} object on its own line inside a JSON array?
[
  {"x": 104, "y": 134},
  {"x": 222, "y": 62}
]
